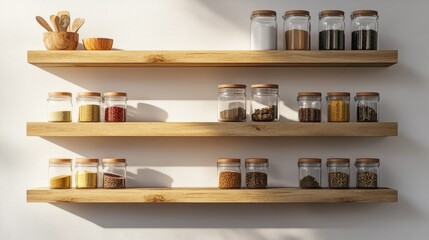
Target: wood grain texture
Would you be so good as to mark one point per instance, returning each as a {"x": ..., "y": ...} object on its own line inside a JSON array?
[{"x": 211, "y": 129}]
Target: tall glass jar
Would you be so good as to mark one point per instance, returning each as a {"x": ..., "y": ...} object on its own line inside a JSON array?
[
  {"x": 231, "y": 103},
  {"x": 338, "y": 172},
  {"x": 114, "y": 173},
  {"x": 256, "y": 172},
  {"x": 60, "y": 107},
  {"x": 331, "y": 30},
  {"x": 367, "y": 172},
  {"x": 86, "y": 173},
  {"x": 265, "y": 101},
  {"x": 229, "y": 173},
  {"x": 364, "y": 28},
  {"x": 263, "y": 30},
  {"x": 338, "y": 106},
  {"x": 115, "y": 106},
  {"x": 310, "y": 106},
  {"x": 367, "y": 106},
  {"x": 60, "y": 173},
  {"x": 297, "y": 30},
  {"x": 89, "y": 106},
  {"x": 310, "y": 172}
]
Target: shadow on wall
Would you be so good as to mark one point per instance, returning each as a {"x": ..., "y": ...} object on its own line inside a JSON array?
[
  {"x": 146, "y": 113},
  {"x": 146, "y": 177}
]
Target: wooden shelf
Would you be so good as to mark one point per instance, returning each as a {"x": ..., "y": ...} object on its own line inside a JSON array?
[
  {"x": 211, "y": 129},
  {"x": 213, "y": 58}
]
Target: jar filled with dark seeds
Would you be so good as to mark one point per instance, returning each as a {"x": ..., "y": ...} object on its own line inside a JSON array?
[
  {"x": 231, "y": 103},
  {"x": 338, "y": 172},
  {"x": 338, "y": 106},
  {"x": 364, "y": 28},
  {"x": 310, "y": 172},
  {"x": 256, "y": 172},
  {"x": 265, "y": 101},
  {"x": 331, "y": 30},
  {"x": 114, "y": 173},
  {"x": 310, "y": 106},
  {"x": 367, "y": 172},
  {"x": 229, "y": 173},
  {"x": 367, "y": 106}
]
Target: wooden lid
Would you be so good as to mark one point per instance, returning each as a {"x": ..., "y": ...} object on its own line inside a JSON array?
[
  {"x": 309, "y": 94},
  {"x": 365, "y": 13},
  {"x": 332, "y": 13},
  {"x": 114, "y": 160},
  {"x": 59, "y": 94},
  {"x": 264, "y": 13},
  {"x": 365, "y": 94},
  {"x": 86, "y": 160},
  {"x": 264, "y": 86},
  {"x": 229, "y": 160},
  {"x": 338, "y": 160},
  {"x": 231, "y": 86},
  {"x": 60, "y": 160},
  {"x": 367, "y": 160},
  {"x": 256, "y": 160},
  {"x": 89, "y": 94},
  {"x": 338, "y": 94},
  {"x": 297, "y": 13},
  {"x": 309, "y": 160},
  {"x": 114, "y": 94}
]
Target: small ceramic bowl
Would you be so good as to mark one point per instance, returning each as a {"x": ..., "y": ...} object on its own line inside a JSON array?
[
  {"x": 97, "y": 43},
  {"x": 61, "y": 40}
]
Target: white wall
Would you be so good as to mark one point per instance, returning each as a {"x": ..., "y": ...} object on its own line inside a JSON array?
[{"x": 189, "y": 94}]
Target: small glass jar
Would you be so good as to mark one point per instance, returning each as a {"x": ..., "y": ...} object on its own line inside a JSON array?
[
  {"x": 86, "y": 173},
  {"x": 263, "y": 30},
  {"x": 256, "y": 173},
  {"x": 338, "y": 172},
  {"x": 367, "y": 172},
  {"x": 364, "y": 28},
  {"x": 265, "y": 101},
  {"x": 310, "y": 172},
  {"x": 60, "y": 173},
  {"x": 310, "y": 106},
  {"x": 297, "y": 29},
  {"x": 89, "y": 106},
  {"x": 60, "y": 107},
  {"x": 115, "y": 106},
  {"x": 229, "y": 173},
  {"x": 231, "y": 103},
  {"x": 367, "y": 106},
  {"x": 331, "y": 30},
  {"x": 114, "y": 173},
  {"x": 338, "y": 106}
]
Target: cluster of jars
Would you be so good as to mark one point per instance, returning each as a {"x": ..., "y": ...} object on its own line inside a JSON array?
[
  {"x": 229, "y": 173},
  {"x": 297, "y": 30}
]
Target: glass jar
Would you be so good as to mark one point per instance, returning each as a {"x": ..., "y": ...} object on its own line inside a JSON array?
[
  {"x": 331, "y": 30},
  {"x": 310, "y": 106},
  {"x": 338, "y": 172},
  {"x": 114, "y": 173},
  {"x": 367, "y": 106},
  {"x": 256, "y": 172},
  {"x": 265, "y": 101},
  {"x": 86, "y": 173},
  {"x": 367, "y": 172},
  {"x": 115, "y": 106},
  {"x": 229, "y": 173},
  {"x": 60, "y": 107},
  {"x": 89, "y": 106},
  {"x": 364, "y": 28},
  {"x": 60, "y": 173},
  {"x": 310, "y": 172},
  {"x": 231, "y": 103},
  {"x": 338, "y": 106},
  {"x": 297, "y": 30},
  {"x": 263, "y": 30}
]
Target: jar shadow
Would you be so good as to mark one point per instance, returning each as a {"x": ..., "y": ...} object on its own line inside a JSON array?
[
  {"x": 147, "y": 177},
  {"x": 146, "y": 113}
]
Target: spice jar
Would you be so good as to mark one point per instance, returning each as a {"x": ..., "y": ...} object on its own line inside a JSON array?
[
  {"x": 310, "y": 106},
  {"x": 86, "y": 173},
  {"x": 367, "y": 172},
  {"x": 310, "y": 172},
  {"x": 297, "y": 30},
  {"x": 338, "y": 106},
  {"x": 231, "y": 103},
  {"x": 115, "y": 106},
  {"x": 114, "y": 172},
  {"x": 60, "y": 172},
  {"x": 89, "y": 106},
  {"x": 229, "y": 173},
  {"x": 265, "y": 101},
  {"x": 263, "y": 30},
  {"x": 331, "y": 30},
  {"x": 364, "y": 28},
  {"x": 367, "y": 106},
  {"x": 256, "y": 172},
  {"x": 338, "y": 172},
  {"x": 60, "y": 107}
]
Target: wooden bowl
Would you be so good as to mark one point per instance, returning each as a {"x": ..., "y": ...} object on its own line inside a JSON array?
[
  {"x": 61, "y": 40},
  {"x": 97, "y": 43}
]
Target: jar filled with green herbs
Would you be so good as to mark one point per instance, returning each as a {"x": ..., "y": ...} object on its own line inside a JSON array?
[
  {"x": 89, "y": 106},
  {"x": 60, "y": 107},
  {"x": 367, "y": 106},
  {"x": 310, "y": 172}
]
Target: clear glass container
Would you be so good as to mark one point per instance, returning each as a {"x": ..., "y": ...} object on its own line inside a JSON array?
[
  {"x": 115, "y": 106},
  {"x": 60, "y": 173},
  {"x": 231, "y": 103},
  {"x": 229, "y": 173},
  {"x": 256, "y": 173},
  {"x": 86, "y": 170},
  {"x": 338, "y": 106},
  {"x": 364, "y": 28},
  {"x": 331, "y": 30},
  {"x": 297, "y": 29},
  {"x": 60, "y": 107},
  {"x": 367, "y": 106},
  {"x": 89, "y": 106},
  {"x": 265, "y": 101},
  {"x": 263, "y": 30},
  {"x": 310, "y": 106},
  {"x": 367, "y": 172},
  {"x": 338, "y": 172},
  {"x": 114, "y": 173},
  {"x": 310, "y": 172}
]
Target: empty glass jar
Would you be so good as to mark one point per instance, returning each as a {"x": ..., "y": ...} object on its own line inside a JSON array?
[
  {"x": 60, "y": 173},
  {"x": 297, "y": 29},
  {"x": 263, "y": 30},
  {"x": 89, "y": 106},
  {"x": 338, "y": 106},
  {"x": 310, "y": 172},
  {"x": 60, "y": 107},
  {"x": 367, "y": 172},
  {"x": 338, "y": 172},
  {"x": 331, "y": 30},
  {"x": 310, "y": 106},
  {"x": 229, "y": 173},
  {"x": 265, "y": 101},
  {"x": 115, "y": 106},
  {"x": 367, "y": 106},
  {"x": 86, "y": 173},
  {"x": 364, "y": 28},
  {"x": 256, "y": 172},
  {"x": 231, "y": 103},
  {"x": 114, "y": 173}
]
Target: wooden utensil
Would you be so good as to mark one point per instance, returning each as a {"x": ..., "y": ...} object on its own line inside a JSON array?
[
  {"x": 43, "y": 23},
  {"x": 67, "y": 13},
  {"x": 77, "y": 23},
  {"x": 64, "y": 23},
  {"x": 55, "y": 20}
]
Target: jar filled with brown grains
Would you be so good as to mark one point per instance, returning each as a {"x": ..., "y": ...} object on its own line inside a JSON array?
[
  {"x": 60, "y": 107},
  {"x": 297, "y": 29},
  {"x": 310, "y": 172},
  {"x": 60, "y": 173},
  {"x": 310, "y": 106},
  {"x": 86, "y": 173},
  {"x": 367, "y": 172},
  {"x": 338, "y": 106},
  {"x": 256, "y": 172},
  {"x": 229, "y": 173},
  {"x": 231, "y": 103},
  {"x": 367, "y": 106},
  {"x": 338, "y": 172},
  {"x": 114, "y": 173},
  {"x": 265, "y": 101},
  {"x": 89, "y": 106},
  {"x": 115, "y": 106}
]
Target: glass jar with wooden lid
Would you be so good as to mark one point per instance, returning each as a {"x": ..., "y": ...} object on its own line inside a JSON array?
[
  {"x": 60, "y": 107},
  {"x": 364, "y": 28},
  {"x": 86, "y": 173},
  {"x": 297, "y": 30},
  {"x": 263, "y": 30},
  {"x": 256, "y": 172},
  {"x": 114, "y": 172},
  {"x": 265, "y": 101},
  {"x": 229, "y": 173},
  {"x": 331, "y": 30},
  {"x": 310, "y": 106},
  {"x": 231, "y": 103},
  {"x": 89, "y": 106},
  {"x": 60, "y": 173},
  {"x": 367, "y": 172},
  {"x": 338, "y": 106},
  {"x": 310, "y": 172},
  {"x": 367, "y": 106},
  {"x": 338, "y": 172},
  {"x": 115, "y": 106}
]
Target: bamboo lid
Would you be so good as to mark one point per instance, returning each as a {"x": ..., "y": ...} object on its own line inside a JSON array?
[
  {"x": 115, "y": 94},
  {"x": 60, "y": 160},
  {"x": 228, "y": 160},
  {"x": 297, "y": 13},
  {"x": 367, "y": 94},
  {"x": 309, "y": 160},
  {"x": 114, "y": 160},
  {"x": 86, "y": 160},
  {"x": 89, "y": 94},
  {"x": 338, "y": 160},
  {"x": 367, "y": 160},
  {"x": 338, "y": 94},
  {"x": 264, "y": 86},
  {"x": 309, "y": 94},
  {"x": 231, "y": 86},
  {"x": 332, "y": 13},
  {"x": 256, "y": 160},
  {"x": 365, "y": 13},
  {"x": 264, "y": 13},
  {"x": 59, "y": 94}
]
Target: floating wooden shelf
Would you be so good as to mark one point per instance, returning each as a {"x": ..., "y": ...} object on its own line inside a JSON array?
[
  {"x": 211, "y": 129},
  {"x": 213, "y": 58}
]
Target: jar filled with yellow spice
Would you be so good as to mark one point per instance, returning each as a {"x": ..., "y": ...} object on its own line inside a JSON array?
[
  {"x": 60, "y": 107},
  {"x": 86, "y": 173},
  {"x": 338, "y": 106},
  {"x": 89, "y": 106},
  {"x": 60, "y": 173}
]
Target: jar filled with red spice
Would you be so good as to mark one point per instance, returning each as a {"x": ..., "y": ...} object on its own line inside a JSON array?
[{"x": 115, "y": 106}]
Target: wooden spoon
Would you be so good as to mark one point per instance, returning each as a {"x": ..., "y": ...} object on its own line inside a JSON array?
[
  {"x": 55, "y": 20},
  {"x": 43, "y": 23},
  {"x": 77, "y": 23},
  {"x": 64, "y": 23},
  {"x": 67, "y": 13}
]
